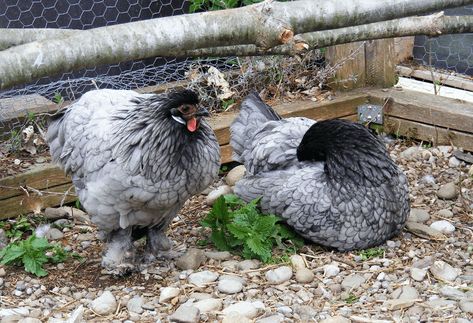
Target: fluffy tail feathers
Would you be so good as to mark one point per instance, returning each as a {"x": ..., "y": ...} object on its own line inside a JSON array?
[{"x": 253, "y": 113}]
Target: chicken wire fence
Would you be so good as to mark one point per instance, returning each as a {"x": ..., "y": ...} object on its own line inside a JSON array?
[
  {"x": 204, "y": 75},
  {"x": 276, "y": 75},
  {"x": 441, "y": 65}
]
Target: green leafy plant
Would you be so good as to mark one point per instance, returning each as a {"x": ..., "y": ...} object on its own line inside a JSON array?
[
  {"x": 33, "y": 253},
  {"x": 15, "y": 229},
  {"x": 31, "y": 116},
  {"x": 240, "y": 227},
  {"x": 223, "y": 169},
  {"x": 351, "y": 299},
  {"x": 58, "y": 98},
  {"x": 14, "y": 140},
  {"x": 371, "y": 253},
  {"x": 227, "y": 103}
]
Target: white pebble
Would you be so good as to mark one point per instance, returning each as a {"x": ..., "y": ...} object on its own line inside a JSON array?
[
  {"x": 208, "y": 305},
  {"x": 331, "y": 270},
  {"x": 105, "y": 304},
  {"x": 418, "y": 274},
  {"x": 202, "y": 278},
  {"x": 230, "y": 286},
  {"x": 215, "y": 194},
  {"x": 453, "y": 162},
  {"x": 246, "y": 309},
  {"x": 279, "y": 275},
  {"x": 304, "y": 276},
  {"x": 443, "y": 226},
  {"x": 297, "y": 262}
]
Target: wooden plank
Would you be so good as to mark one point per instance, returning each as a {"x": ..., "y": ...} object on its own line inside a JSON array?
[
  {"x": 426, "y": 87},
  {"x": 342, "y": 105},
  {"x": 19, "y": 106},
  {"x": 349, "y": 61},
  {"x": 403, "y": 47},
  {"x": 426, "y": 108},
  {"x": 41, "y": 177},
  {"x": 380, "y": 62},
  {"x": 436, "y": 135},
  {"x": 442, "y": 78},
  {"x": 18, "y": 205}
]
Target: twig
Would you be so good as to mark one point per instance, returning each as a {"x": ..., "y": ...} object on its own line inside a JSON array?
[{"x": 345, "y": 261}]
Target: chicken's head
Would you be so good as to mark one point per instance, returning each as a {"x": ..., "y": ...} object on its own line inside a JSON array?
[{"x": 185, "y": 109}]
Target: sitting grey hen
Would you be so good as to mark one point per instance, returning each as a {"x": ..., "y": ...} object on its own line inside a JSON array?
[
  {"x": 134, "y": 160},
  {"x": 332, "y": 181}
]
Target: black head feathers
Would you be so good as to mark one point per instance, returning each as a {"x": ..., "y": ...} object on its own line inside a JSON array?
[
  {"x": 178, "y": 98},
  {"x": 332, "y": 136},
  {"x": 349, "y": 150}
]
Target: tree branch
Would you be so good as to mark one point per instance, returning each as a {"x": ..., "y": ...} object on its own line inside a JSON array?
[
  {"x": 11, "y": 37},
  {"x": 433, "y": 25},
  {"x": 264, "y": 25}
]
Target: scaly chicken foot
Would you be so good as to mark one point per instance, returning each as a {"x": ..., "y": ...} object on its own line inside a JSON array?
[
  {"x": 158, "y": 245},
  {"x": 119, "y": 256}
]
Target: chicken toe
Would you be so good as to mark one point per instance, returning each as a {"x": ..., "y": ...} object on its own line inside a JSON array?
[{"x": 158, "y": 245}]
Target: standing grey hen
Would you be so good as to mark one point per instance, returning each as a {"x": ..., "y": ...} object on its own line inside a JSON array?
[
  {"x": 134, "y": 160},
  {"x": 332, "y": 181}
]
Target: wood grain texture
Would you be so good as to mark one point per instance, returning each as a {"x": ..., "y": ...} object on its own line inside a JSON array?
[
  {"x": 426, "y": 108},
  {"x": 22, "y": 204},
  {"x": 351, "y": 73},
  {"x": 436, "y": 135},
  {"x": 380, "y": 63}
]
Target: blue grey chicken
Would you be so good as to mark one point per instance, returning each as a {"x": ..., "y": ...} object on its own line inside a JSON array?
[
  {"x": 332, "y": 181},
  {"x": 134, "y": 160}
]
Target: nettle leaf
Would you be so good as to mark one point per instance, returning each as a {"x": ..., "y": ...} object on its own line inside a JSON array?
[
  {"x": 39, "y": 243},
  {"x": 260, "y": 248},
  {"x": 34, "y": 265},
  {"x": 218, "y": 238},
  {"x": 220, "y": 210},
  {"x": 233, "y": 200},
  {"x": 265, "y": 225},
  {"x": 240, "y": 227},
  {"x": 12, "y": 254},
  {"x": 239, "y": 231}
]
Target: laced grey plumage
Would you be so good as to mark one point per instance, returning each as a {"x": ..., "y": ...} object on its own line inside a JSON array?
[{"x": 332, "y": 181}]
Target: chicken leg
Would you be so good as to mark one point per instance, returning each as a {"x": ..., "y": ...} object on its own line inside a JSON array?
[
  {"x": 119, "y": 254},
  {"x": 158, "y": 245}
]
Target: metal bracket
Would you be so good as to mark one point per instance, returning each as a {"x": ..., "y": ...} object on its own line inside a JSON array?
[{"x": 371, "y": 113}]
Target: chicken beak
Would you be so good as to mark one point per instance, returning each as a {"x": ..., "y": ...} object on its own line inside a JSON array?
[{"x": 179, "y": 119}]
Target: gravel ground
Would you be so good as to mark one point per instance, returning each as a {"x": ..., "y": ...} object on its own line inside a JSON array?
[{"x": 425, "y": 274}]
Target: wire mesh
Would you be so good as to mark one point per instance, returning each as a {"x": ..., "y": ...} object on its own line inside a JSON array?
[
  {"x": 449, "y": 52},
  {"x": 305, "y": 74}
]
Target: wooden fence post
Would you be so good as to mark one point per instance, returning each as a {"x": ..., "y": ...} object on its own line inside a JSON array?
[{"x": 369, "y": 63}]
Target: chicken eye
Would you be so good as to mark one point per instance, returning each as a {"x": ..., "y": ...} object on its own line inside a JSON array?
[{"x": 185, "y": 109}]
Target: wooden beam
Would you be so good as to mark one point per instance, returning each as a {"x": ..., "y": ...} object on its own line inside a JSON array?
[
  {"x": 43, "y": 176},
  {"x": 430, "y": 88},
  {"x": 343, "y": 105},
  {"x": 436, "y": 135},
  {"x": 349, "y": 61},
  {"x": 403, "y": 48},
  {"x": 360, "y": 64},
  {"x": 380, "y": 62},
  {"x": 426, "y": 108},
  {"x": 442, "y": 78},
  {"x": 19, "y": 204}
]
